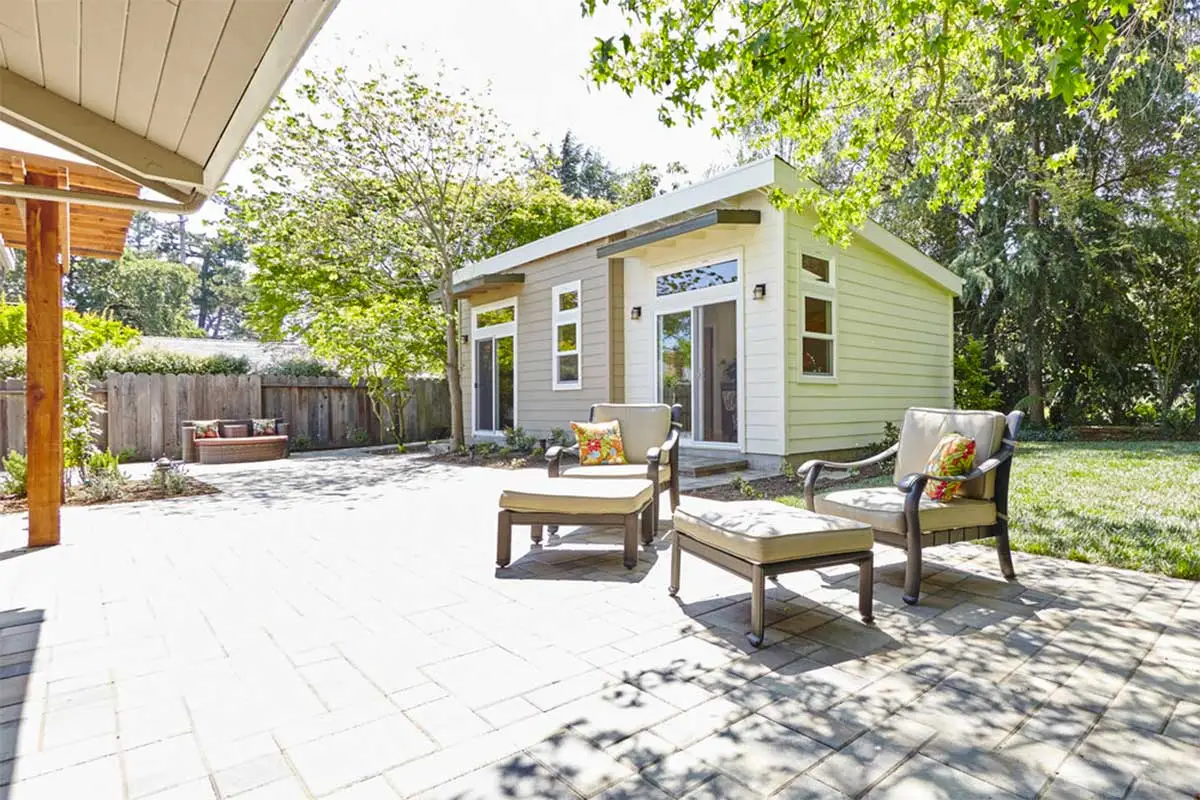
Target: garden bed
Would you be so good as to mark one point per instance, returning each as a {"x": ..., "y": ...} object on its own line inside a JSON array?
[{"x": 133, "y": 491}]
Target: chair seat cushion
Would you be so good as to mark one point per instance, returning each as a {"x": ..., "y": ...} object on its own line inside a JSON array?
[
  {"x": 883, "y": 509},
  {"x": 765, "y": 532},
  {"x": 579, "y": 496},
  {"x": 616, "y": 471}
]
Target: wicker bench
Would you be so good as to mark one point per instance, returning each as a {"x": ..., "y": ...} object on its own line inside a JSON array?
[
  {"x": 761, "y": 539},
  {"x": 235, "y": 444}
]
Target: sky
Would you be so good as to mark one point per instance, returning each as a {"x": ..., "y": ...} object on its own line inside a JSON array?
[{"x": 532, "y": 55}]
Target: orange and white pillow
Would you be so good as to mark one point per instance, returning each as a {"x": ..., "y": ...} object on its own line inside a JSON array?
[{"x": 599, "y": 443}]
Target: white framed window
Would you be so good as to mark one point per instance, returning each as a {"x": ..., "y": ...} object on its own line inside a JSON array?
[
  {"x": 818, "y": 318},
  {"x": 565, "y": 328}
]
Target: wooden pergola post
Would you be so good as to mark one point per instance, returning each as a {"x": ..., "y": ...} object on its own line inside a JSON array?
[{"x": 45, "y": 238}]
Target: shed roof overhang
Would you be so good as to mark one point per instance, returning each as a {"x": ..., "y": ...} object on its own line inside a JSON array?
[
  {"x": 161, "y": 93},
  {"x": 718, "y": 216},
  {"x": 487, "y": 283}
]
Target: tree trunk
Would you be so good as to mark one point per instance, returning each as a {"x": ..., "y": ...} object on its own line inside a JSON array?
[
  {"x": 1034, "y": 352},
  {"x": 453, "y": 373}
]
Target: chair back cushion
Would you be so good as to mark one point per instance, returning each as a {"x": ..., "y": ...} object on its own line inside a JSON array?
[
  {"x": 923, "y": 428},
  {"x": 642, "y": 426}
]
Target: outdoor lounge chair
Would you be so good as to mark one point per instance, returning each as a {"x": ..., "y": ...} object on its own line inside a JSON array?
[
  {"x": 903, "y": 516},
  {"x": 650, "y": 435}
]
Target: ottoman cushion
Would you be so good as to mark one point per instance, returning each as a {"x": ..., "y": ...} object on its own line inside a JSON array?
[
  {"x": 579, "y": 496},
  {"x": 765, "y": 532}
]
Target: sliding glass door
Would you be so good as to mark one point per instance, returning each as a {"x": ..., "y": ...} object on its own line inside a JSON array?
[
  {"x": 697, "y": 368},
  {"x": 494, "y": 330}
]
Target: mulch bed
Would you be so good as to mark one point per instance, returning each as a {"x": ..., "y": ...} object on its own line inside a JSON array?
[
  {"x": 495, "y": 460},
  {"x": 131, "y": 492}
]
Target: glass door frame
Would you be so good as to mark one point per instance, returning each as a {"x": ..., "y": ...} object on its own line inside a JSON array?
[
  {"x": 495, "y": 333},
  {"x": 692, "y": 301}
]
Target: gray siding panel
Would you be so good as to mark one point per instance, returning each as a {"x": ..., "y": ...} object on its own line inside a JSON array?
[{"x": 539, "y": 407}]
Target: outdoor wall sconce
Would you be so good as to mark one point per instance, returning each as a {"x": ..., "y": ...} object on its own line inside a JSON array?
[
  {"x": 465, "y": 339},
  {"x": 760, "y": 291},
  {"x": 635, "y": 313}
]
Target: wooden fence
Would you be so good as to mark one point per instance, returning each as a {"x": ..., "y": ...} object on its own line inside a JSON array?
[{"x": 142, "y": 413}]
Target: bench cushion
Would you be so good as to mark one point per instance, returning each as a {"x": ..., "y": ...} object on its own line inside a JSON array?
[
  {"x": 616, "y": 471},
  {"x": 765, "y": 532},
  {"x": 883, "y": 508},
  {"x": 579, "y": 496},
  {"x": 239, "y": 441}
]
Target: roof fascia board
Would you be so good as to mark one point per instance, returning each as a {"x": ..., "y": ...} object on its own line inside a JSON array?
[
  {"x": 61, "y": 122},
  {"x": 291, "y": 40}
]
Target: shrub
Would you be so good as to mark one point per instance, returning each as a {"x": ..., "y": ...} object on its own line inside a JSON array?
[
  {"x": 102, "y": 476},
  {"x": 162, "y": 362},
  {"x": 301, "y": 442},
  {"x": 516, "y": 439},
  {"x": 560, "y": 437},
  {"x": 12, "y": 362},
  {"x": 300, "y": 368},
  {"x": 173, "y": 480},
  {"x": 746, "y": 488},
  {"x": 973, "y": 387},
  {"x": 15, "y": 469}
]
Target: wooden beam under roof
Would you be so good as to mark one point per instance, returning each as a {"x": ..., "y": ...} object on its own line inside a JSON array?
[{"x": 718, "y": 216}]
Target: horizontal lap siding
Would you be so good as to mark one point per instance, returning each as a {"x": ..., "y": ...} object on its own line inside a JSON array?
[
  {"x": 893, "y": 341},
  {"x": 761, "y": 249},
  {"x": 539, "y": 407}
]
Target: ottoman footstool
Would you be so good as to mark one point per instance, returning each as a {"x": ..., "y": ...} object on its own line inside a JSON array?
[
  {"x": 760, "y": 539},
  {"x": 577, "y": 501}
]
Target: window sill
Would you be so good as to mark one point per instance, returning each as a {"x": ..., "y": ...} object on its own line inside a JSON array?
[
  {"x": 817, "y": 379},
  {"x": 566, "y": 387}
]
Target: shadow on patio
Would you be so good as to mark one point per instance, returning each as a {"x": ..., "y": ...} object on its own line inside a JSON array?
[{"x": 20, "y": 629}]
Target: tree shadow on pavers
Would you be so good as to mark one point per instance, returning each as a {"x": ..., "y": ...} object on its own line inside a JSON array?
[
  {"x": 20, "y": 629},
  {"x": 584, "y": 553},
  {"x": 516, "y": 776}
]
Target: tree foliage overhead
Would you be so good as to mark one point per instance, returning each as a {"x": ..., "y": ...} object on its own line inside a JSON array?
[{"x": 891, "y": 93}]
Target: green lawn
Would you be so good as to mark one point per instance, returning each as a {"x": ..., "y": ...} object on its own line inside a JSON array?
[{"x": 1128, "y": 504}]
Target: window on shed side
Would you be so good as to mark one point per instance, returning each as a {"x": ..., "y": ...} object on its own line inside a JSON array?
[
  {"x": 817, "y": 316},
  {"x": 565, "y": 314}
]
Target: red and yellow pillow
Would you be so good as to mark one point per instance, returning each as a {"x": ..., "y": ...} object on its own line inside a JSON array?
[
  {"x": 954, "y": 455},
  {"x": 205, "y": 429},
  {"x": 263, "y": 427},
  {"x": 599, "y": 443}
]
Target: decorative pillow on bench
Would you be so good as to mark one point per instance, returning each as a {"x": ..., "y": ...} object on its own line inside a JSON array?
[
  {"x": 206, "y": 429},
  {"x": 262, "y": 427},
  {"x": 599, "y": 443},
  {"x": 954, "y": 455}
]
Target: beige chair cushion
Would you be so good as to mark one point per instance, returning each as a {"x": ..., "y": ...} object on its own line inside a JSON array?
[
  {"x": 642, "y": 426},
  {"x": 616, "y": 471},
  {"x": 765, "y": 532},
  {"x": 579, "y": 496},
  {"x": 923, "y": 428},
  {"x": 883, "y": 508}
]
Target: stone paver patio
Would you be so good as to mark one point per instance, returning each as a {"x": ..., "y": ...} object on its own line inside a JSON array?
[{"x": 335, "y": 627}]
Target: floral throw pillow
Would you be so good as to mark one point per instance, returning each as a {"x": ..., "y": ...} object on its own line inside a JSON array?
[
  {"x": 262, "y": 427},
  {"x": 206, "y": 429},
  {"x": 599, "y": 443},
  {"x": 954, "y": 455}
]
